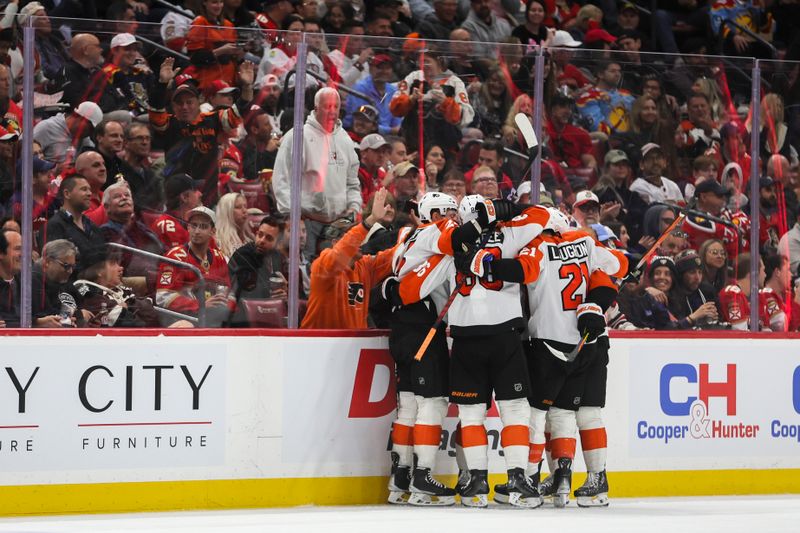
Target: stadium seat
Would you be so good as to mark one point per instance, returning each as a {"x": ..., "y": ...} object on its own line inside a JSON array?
[
  {"x": 266, "y": 313},
  {"x": 253, "y": 192}
]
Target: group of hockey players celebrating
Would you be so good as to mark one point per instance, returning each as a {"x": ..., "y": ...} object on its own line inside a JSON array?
[{"x": 527, "y": 294}]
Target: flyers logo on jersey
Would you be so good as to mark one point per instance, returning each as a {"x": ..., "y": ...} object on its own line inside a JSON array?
[{"x": 355, "y": 293}]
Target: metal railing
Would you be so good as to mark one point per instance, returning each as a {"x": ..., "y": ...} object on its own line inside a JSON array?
[{"x": 201, "y": 283}]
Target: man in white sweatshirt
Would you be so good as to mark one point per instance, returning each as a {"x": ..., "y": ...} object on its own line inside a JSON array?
[{"x": 329, "y": 188}]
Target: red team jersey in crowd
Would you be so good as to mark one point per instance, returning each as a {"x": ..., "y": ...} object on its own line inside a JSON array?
[
  {"x": 735, "y": 307},
  {"x": 564, "y": 267},
  {"x": 170, "y": 231},
  {"x": 699, "y": 229},
  {"x": 175, "y": 285}
]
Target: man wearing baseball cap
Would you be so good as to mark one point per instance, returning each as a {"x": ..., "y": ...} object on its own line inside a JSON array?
[
  {"x": 711, "y": 198},
  {"x": 374, "y": 152},
  {"x": 129, "y": 75},
  {"x": 586, "y": 209},
  {"x": 695, "y": 304},
  {"x": 652, "y": 185},
  {"x": 176, "y": 287},
  {"x": 365, "y": 123},
  {"x": 191, "y": 138},
  {"x": 380, "y": 91},
  {"x": 59, "y": 133}
]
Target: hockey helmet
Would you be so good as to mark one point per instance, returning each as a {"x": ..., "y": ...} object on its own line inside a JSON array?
[
  {"x": 467, "y": 209},
  {"x": 435, "y": 201},
  {"x": 557, "y": 221}
]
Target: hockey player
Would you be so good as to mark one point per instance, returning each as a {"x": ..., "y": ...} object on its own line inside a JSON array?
[
  {"x": 422, "y": 385},
  {"x": 487, "y": 354},
  {"x": 561, "y": 262}
]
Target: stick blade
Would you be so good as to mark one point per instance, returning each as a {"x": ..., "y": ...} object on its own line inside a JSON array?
[{"x": 526, "y": 128}]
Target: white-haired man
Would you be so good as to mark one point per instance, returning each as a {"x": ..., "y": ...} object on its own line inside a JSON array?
[{"x": 330, "y": 188}]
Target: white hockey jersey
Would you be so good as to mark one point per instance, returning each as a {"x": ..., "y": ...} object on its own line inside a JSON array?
[
  {"x": 424, "y": 262},
  {"x": 565, "y": 264},
  {"x": 485, "y": 306}
]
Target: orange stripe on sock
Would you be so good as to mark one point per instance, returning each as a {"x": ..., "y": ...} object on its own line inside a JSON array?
[
  {"x": 402, "y": 435},
  {"x": 593, "y": 439},
  {"x": 563, "y": 448},
  {"x": 514, "y": 436},
  {"x": 427, "y": 435},
  {"x": 547, "y": 445},
  {"x": 474, "y": 436},
  {"x": 535, "y": 453}
]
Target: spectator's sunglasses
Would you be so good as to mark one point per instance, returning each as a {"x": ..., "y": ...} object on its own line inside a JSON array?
[{"x": 66, "y": 266}]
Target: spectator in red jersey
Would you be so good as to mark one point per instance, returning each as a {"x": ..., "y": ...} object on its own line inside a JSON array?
[
  {"x": 569, "y": 145},
  {"x": 182, "y": 197},
  {"x": 176, "y": 288},
  {"x": 273, "y": 13},
  {"x": 711, "y": 199},
  {"x": 734, "y": 300},
  {"x": 374, "y": 152},
  {"x": 777, "y": 292}
]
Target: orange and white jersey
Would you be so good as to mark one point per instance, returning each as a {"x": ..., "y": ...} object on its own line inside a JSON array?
[
  {"x": 456, "y": 109},
  {"x": 424, "y": 260},
  {"x": 565, "y": 264},
  {"x": 485, "y": 305}
]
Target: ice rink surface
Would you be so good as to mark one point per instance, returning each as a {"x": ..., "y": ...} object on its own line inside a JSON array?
[{"x": 669, "y": 515}]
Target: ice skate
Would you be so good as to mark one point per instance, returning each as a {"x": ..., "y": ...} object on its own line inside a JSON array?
[
  {"x": 399, "y": 480},
  {"x": 476, "y": 492},
  {"x": 501, "y": 489},
  {"x": 562, "y": 482},
  {"x": 426, "y": 490},
  {"x": 547, "y": 488},
  {"x": 594, "y": 491},
  {"x": 520, "y": 491}
]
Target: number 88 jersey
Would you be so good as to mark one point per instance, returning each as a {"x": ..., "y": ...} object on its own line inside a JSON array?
[{"x": 566, "y": 263}]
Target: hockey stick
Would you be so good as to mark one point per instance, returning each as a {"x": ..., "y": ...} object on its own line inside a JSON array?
[
  {"x": 530, "y": 140},
  {"x": 694, "y": 212},
  {"x": 636, "y": 272},
  {"x": 571, "y": 356}
]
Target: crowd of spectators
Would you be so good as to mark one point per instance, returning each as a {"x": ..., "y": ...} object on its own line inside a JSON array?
[{"x": 169, "y": 129}]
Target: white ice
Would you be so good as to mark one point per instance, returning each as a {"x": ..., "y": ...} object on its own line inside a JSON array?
[{"x": 668, "y": 515}]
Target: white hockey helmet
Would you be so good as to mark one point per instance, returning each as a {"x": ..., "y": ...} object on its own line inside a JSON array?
[
  {"x": 467, "y": 211},
  {"x": 558, "y": 221},
  {"x": 433, "y": 201}
]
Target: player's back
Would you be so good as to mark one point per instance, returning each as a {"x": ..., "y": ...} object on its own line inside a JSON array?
[{"x": 566, "y": 263}]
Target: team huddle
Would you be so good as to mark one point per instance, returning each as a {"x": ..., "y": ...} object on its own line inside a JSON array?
[{"x": 502, "y": 269}]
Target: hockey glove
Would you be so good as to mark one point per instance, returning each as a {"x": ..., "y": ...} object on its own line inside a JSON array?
[
  {"x": 486, "y": 213},
  {"x": 591, "y": 321},
  {"x": 390, "y": 291},
  {"x": 474, "y": 262}
]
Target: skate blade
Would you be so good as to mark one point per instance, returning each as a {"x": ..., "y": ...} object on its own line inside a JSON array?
[
  {"x": 560, "y": 500},
  {"x": 600, "y": 500},
  {"x": 515, "y": 499},
  {"x": 398, "y": 497},
  {"x": 481, "y": 500},
  {"x": 421, "y": 499},
  {"x": 499, "y": 497}
]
